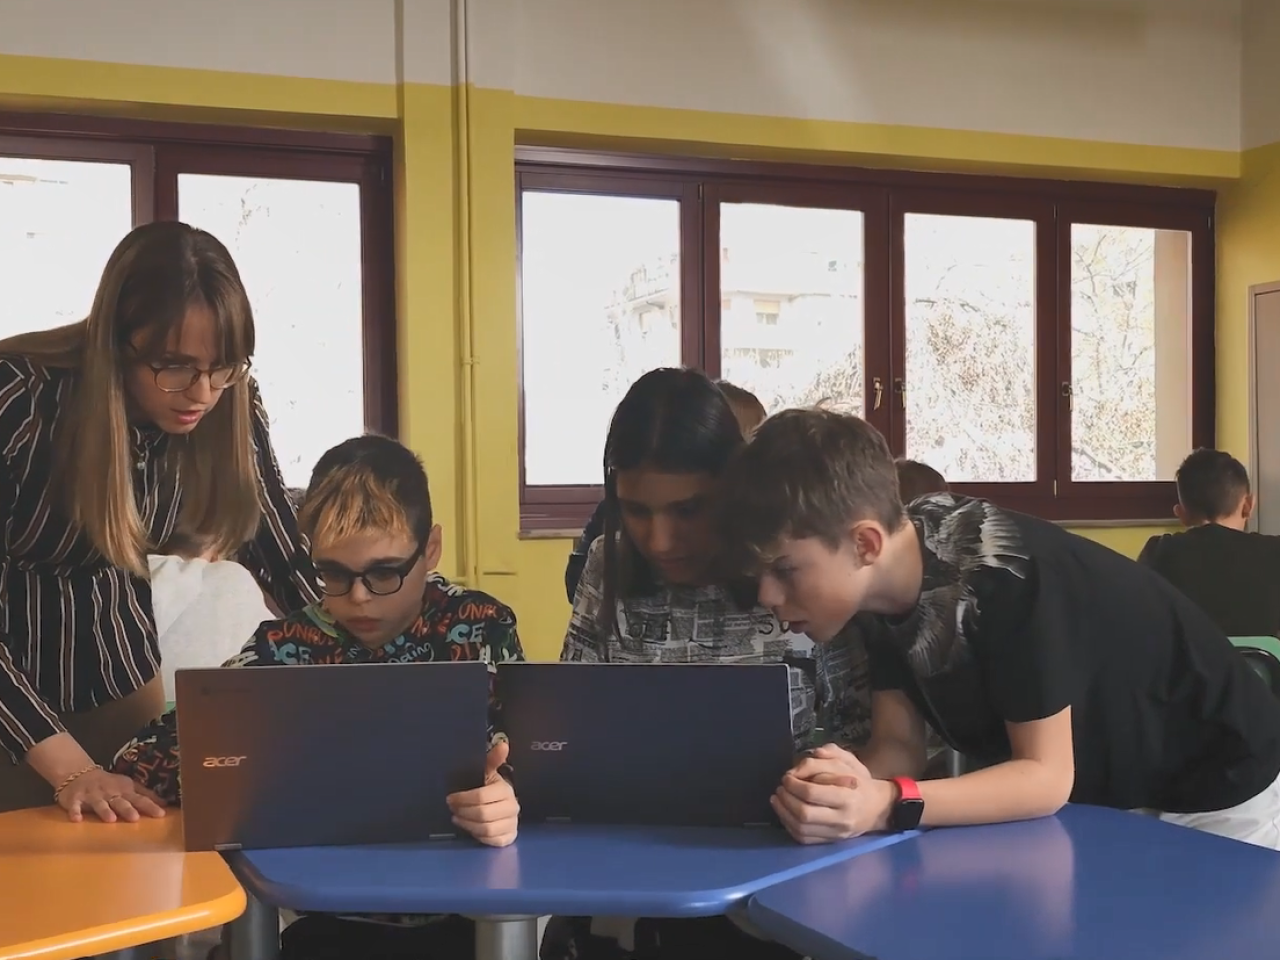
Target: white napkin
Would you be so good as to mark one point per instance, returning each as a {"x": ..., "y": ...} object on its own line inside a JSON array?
[{"x": 205, "y": 612}]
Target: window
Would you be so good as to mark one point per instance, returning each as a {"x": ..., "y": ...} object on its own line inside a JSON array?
[
  {"x": 793, "y": 335},
  {"x": 59, "y": 221},
  {"x": 1048, "y": 345},
  {"x": 602, "y": 276},
  {"x": 969, "y": 310},
  {"x": 307, "y": 218}
]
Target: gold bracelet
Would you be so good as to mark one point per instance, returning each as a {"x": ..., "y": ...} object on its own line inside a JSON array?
[{"x": 73, "y": 778}]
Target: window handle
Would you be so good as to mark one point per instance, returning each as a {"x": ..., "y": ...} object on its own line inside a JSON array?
[
  {"x": 900, "y": 388},
  {"x": 1068, "y": 394},
  {"x": 878, "y": 386}
]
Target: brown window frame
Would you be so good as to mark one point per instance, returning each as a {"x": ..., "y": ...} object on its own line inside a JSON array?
[
  {"x": 883, "y": 197},
  {"x": 157, "y": 152}
]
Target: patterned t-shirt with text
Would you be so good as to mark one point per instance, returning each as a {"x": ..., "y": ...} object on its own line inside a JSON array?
[{"x": 830, "y": 692}]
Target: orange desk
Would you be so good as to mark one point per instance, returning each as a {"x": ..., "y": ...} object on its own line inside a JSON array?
[{"x": 71, "y": 890}]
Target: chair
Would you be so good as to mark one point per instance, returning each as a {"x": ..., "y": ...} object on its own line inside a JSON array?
[{"x": 1263, "y": 654}]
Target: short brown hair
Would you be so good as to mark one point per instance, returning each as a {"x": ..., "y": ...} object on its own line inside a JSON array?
[
  {"x": 1211, "y": 484},
  {"x": 188, "y": 546},
  {"x": 809, "y": 473},
  {"x": 746, "y": 406},
  {"x": 916, "y": 480}
]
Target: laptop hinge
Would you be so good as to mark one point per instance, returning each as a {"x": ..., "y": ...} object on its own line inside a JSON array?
[{"x": 226, "y": 847}]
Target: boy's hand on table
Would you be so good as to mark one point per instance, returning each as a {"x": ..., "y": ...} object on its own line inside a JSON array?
[
  {"x": 489, "y": 813},
  {"x": 830, "y": 796}
]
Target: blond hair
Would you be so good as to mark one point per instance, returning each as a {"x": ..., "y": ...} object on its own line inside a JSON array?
[
  {"x": 349, "y": 502},
  {"x": 369, "y": 484},
  {"x": 153, "y": 277}
]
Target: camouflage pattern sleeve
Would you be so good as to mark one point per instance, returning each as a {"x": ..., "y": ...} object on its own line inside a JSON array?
[
  {"x": 502, "y": 641},
  {"x": 582, "y": 641},
  {"x": 151, "y": 757}
]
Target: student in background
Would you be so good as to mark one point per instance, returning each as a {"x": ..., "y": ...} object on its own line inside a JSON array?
[
  {"x": 1233, "y": 575},
  {"x": 652, "y": 591},
  {"x": 368, "y": 515},
  {"x": 749, "y": 412},
  {"x": 1086, "y": 676},
  {"x": 916, "y": 480},
  {"x": 115, "y": 432},
  {"x": 746, "y": 406}
]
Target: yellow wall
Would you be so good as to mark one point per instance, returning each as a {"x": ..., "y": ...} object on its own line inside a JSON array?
[
  {"x": 456, "y": 248},
  {"x": 1248, "y": 254}
]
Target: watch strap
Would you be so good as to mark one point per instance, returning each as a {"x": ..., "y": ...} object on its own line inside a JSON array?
[{"x": 908, "y": 789}]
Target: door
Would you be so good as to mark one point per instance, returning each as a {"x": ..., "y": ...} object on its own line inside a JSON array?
[{"x": 1264, "y": 404}]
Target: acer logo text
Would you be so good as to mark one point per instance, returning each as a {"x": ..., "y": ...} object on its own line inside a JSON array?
[
  {"x": 223, "y": 761},
  {"x": 549, "y": 745}
]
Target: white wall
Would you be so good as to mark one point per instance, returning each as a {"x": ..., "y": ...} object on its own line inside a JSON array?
[
  {"x": 322, "y": 39},
  {"x": 1160, "y": 72},
  {"x": 1261, "y": 70}
]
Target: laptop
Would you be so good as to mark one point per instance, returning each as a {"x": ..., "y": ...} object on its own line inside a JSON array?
[
  {"x": 328, "y": 755},
  {"x": 656, "y": 744}
]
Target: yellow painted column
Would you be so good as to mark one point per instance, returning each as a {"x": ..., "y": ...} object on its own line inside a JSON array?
[{"x": 426, "y": 211}]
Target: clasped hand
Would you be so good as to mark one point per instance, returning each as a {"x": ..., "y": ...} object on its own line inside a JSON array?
[
  {"x": 489, "y": 813},
  {"x": 829, "y": 796}
]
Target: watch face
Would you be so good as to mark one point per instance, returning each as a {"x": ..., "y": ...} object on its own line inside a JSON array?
[{"x": 907, "y": 814}]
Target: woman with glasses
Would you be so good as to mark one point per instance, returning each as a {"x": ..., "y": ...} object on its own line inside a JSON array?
[
  {"x": 116, "y": 433},
  {"x": 367, "y": 513}
]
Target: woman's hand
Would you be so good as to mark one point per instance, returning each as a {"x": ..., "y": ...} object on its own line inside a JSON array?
[
  {"x": 108, "y": 796},
  {"x": 490, "y": 813}
]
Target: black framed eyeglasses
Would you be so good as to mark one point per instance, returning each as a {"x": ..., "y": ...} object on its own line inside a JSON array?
[
  {"x": 178, "y": 377},
  {"x": 381, "y": 579}
]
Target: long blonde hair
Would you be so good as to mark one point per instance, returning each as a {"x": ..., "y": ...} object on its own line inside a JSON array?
[{"x": 153, "y": 277}]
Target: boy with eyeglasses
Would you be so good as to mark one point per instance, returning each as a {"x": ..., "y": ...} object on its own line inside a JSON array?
[{"x": 367, "y": 513}]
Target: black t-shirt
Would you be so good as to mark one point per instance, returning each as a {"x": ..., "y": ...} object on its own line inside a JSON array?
[
  {"x": 1019, "y": 619},
  {"x": 1232, "y": 575}
]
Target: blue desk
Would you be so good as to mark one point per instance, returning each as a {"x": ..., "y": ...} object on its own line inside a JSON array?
[
  {"x": 1088, "y": 884},
  {"x": 569, "y": 870}
]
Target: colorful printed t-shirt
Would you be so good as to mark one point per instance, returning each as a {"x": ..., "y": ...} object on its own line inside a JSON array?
[{"x": 456, "y": 624}]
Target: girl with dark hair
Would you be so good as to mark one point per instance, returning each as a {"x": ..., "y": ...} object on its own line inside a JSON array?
[
  {"x": 748, "y": 410},
  {"x": 652, "y": 591},
  {"x": 650, "y": 583}
]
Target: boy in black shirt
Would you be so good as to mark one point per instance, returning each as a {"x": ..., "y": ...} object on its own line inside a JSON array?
[
  {"x": 1234, "y": 576},
  {"x": 1084, "y": 675}
]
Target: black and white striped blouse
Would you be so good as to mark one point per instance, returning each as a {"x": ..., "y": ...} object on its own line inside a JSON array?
[{"x": 76, "y": 632}]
